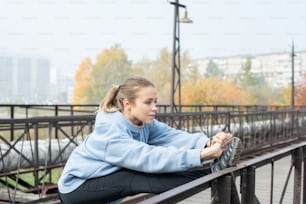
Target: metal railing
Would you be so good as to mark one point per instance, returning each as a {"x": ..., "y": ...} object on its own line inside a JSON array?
[
  {"x": 35, "y": 110},
  {"x": 259, "y": 131}
]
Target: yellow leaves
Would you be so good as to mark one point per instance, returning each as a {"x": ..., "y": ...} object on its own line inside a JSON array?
[
  {"x": 112, "y": 66},
  {"x": 84, "y": 70},
  {"x": 286, "y": 95},
  {"x": 212, "y": 91},
  {"x": 300, "y": 94},
  {"x": 92, "y": 81},
  {"x": 82, "y": 82},
  {"x": 112, "y": 55}
]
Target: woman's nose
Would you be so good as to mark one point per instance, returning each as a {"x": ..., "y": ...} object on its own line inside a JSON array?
[{"x": 154, "y": 108}]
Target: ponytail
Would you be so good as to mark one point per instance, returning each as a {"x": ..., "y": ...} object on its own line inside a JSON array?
[{"x": 111, "y": 102}]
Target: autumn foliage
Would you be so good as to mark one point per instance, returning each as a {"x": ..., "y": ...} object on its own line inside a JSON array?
[
  {"x": 214, "y": 91},
  {"x": 112, "y": 67},
  {"x": 300, "y": 94},
  {"x": 82, "y": 82},
  {"x": 92, "y": 81}
]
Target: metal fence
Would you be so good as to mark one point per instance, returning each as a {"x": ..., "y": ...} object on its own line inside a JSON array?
[
  {"x": 259, "y": 131},
  {"x": 35, "y": 110}
]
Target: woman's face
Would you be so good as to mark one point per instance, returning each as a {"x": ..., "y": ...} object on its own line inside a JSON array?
[{"x": 143, "y": 110}]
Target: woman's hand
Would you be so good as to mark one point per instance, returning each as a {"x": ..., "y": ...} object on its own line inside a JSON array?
[
  {"x": 223, "y": 138},
  {"x": 212, "y": 152},
  {"x": 216, "y": 145}
]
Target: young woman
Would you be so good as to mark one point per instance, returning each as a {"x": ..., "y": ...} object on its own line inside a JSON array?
[{"x": 130, "y": 152}]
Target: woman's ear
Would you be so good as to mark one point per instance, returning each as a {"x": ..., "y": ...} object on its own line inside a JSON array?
[{"x": 126, "y": 104}]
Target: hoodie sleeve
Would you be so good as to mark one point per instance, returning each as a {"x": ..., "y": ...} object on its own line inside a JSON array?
[
  {"x": 126, "y": 152},
  {"x": 163, "y": 135}
]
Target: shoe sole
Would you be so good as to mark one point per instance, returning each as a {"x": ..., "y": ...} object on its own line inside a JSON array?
[
  {"x": 232, "y": 159},
  {"x": 235, "y": 156}
]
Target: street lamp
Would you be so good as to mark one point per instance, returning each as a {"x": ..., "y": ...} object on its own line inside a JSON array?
[
  {"x": 176, "y": 64},
  {"x": 185, "y": 19},
  {"x": 292, "y": 87},
  {"x": 292, "y": 76}
]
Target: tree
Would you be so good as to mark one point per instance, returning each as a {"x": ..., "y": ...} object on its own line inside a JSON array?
[
  {"x": 159, "y": 72},
  {"x": 300, "y": 93},
  {"x": 255, "y": 84},
  {"x": 112, "y": 68},
  {"x": 212, "y": 91},
  {"x": 192, "y": 73},
  {"x": 189, "y": 71},
  {"x": 279, "y": 96},
  {"x": 245, "y": 77},
  {"x": 82, "y": 82},
  {"x": 94, "y": 80},
  {"x": 213, "y": 70}
]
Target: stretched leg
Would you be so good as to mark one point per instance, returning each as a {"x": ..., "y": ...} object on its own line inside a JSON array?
[{"x": 126, "y": 182}]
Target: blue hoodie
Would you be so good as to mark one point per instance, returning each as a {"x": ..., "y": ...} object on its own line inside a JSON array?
[{"x": 116, "y": 143}]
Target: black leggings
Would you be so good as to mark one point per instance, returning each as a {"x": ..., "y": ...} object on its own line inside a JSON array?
[{"x": 125, "y": 183}]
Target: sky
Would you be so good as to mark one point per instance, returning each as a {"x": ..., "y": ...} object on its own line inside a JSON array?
[{"x": 67, "y": 31}]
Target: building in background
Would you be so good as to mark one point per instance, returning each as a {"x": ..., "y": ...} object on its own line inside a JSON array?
[
  {"x": 275, "y": 67},
  {"x": 31, "y": 80},
  {"x": 24, "y": 79}
]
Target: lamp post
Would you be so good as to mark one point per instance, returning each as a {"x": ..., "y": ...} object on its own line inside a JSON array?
[
  {"x": 176, "y": 64},
  {"x": 292, "y": 88},
  {"x": 292, "y": 76}
]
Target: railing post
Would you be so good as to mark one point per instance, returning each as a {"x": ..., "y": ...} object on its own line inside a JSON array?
[
  {"x": 229, "y": 121},
  {"x": 56, "y": 124},
  {"x": 12, "y": 124},
  {"x": 27, "y": 111},
  {"x": 36, "y": 155},
  {"x": 272, "y": 182},
  {"x": 72, "y": 122},
  {"x": 221, "y": 190},
  {"x": 304, "y": 177},
  {"x": 248, "y": 186},
  {"x": 292, "y": 124},
  {"x": 234, "y": 192},
  {"x": 297, "y": 159}
]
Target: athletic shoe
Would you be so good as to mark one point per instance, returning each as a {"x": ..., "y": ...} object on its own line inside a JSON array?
[{"x": 229, "y": 157}]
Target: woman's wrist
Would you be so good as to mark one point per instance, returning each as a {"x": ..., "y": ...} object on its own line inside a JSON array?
[
  {"x": 208, "y": 143},
  {"x": 206, "y": 153},
  {"x": 211, "y": 152}
]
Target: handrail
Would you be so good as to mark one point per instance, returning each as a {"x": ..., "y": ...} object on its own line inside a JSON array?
[
  {"x": 257, "y": 130},
  {"x": 30, "y": 110}
]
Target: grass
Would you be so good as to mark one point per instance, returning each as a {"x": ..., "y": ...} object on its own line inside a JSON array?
[{"x": 30, "y": 179}]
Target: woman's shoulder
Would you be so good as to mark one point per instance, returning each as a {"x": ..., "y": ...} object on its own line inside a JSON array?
[
  {"x": 101, "y": 113},
  {"x": 108, "y": 117}
]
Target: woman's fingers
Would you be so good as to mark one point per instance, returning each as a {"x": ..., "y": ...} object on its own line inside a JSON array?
[
  {"x": 216, "y": 140},
  {"x": 228, "y": 138},
  {"x": 223, "y": 138}
]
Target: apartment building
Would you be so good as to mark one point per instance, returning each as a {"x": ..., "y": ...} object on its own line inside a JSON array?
[
  {"x": 24, "y": 79},
  {"x": 275, "y": 67}
]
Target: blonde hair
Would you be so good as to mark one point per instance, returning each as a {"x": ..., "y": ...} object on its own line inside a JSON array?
[{"x": 113, "y": 99}]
